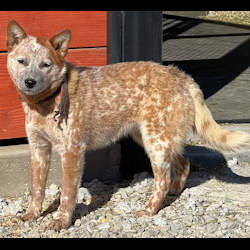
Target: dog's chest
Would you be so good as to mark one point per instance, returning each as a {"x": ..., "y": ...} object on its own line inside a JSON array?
[{"x": 62, "y": 133}]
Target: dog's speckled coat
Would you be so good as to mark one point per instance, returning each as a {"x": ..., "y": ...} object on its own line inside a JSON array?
[{"x": 158, "y": 106}]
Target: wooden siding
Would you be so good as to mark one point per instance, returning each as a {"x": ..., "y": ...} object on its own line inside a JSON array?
[{"x": 88, "y": 47}]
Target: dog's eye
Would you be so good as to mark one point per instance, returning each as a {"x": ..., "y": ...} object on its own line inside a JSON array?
[
  {"x": 21, "y": 61},
  {"x": 46, "y": 65}
]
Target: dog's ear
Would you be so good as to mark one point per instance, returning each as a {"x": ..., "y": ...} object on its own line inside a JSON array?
[
  {"x": 61, "y": 41},
  {"x": 15, "y": 34}
]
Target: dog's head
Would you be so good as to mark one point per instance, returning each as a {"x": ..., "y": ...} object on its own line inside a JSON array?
[{"x": 34, "y": 63}]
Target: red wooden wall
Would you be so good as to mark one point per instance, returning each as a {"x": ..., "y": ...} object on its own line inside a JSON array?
[{"x": 88, "y": 47}]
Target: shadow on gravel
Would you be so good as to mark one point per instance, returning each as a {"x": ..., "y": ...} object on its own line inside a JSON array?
[{"x": 206, "y": 163}]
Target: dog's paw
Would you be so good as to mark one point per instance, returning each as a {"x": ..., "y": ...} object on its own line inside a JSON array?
[
  {"x": 57, "y": 225},
  {"x": 143, "y": 212},
  {"x": 29, "y": 216}
]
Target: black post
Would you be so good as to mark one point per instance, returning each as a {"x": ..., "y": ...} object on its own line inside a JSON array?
[
  {"x": 134, "y": 36},
  {"x": 142, "y": 36},
  {"x": 114, "y": 37}
]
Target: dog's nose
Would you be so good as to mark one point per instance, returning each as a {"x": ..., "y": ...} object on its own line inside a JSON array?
[{"x": 30, "y": 83}]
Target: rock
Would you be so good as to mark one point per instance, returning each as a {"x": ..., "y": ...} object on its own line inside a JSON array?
[
  {"x": 35, "y": 234},
  {"x": 132, "y": 220},
  {"x": 175, "y": 227},
  {"x": 142, "y": 220},
  {"x": 188, "y": 219},
  {"x": 78, "y": 223},
  {"x": 247, "y": 223},
  {"x": 83, "y": 195},
  {"x": 2, "y": 230},
  {"x": 104, "y": 226},
  {"x": 8, "y": 207},
  {"x": 159, "y": 221},
  {"x": 211, "y": 227},
  {"x": 209, "y": 219},
  {"x": 214, "y": 206},
  {"x": 191, "y": 204},
  {"x": 3, "y": 205},
  {"x": 126, "y": 225},
  {"x": 53, "y": 187},
  {"x": 54, "y": 214},
  {"x": 53, "y": 190},
  {"x": 233, "y": 162},
  {"x": 122, "y": 207}
]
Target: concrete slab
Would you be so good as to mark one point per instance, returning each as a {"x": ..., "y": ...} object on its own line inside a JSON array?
[
  {"x": 216, "y": 55},
  {"x": 15, "y": 172}
]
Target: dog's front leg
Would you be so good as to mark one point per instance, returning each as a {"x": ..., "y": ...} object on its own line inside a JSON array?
[
  {"x": 72, "y": 165},
  {"x": 40, "y": 153}
]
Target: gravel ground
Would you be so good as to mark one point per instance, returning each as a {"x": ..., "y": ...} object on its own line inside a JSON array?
[
  {"x": 238, "y": 17},
  {"x": 214, "y": 203}
]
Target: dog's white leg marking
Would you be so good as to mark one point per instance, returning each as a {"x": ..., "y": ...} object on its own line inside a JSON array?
[{"x": 39, "y": 163}]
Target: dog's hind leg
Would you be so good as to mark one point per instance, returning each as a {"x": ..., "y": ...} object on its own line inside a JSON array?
[
  {"x": 161, "y": 169},
  {"x": 180, "y": 167},
  {"x": 160, "y": 149}
]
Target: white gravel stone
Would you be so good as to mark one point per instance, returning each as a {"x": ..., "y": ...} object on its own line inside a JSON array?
[
  {"x": 175, "y": 227},
  {"x": 83, "y": 195},
  {"x": 8, "y": 207},
  {"x": 77, "y": 223},
  {"x": 191, "y": 204},
  {"x": 188, "y": 219},
  {"x": 122, "y": 207},
  {"x": 126, "y": 225},
  {"x": 104, "y": 226},
  {"x": 232, "y": 162},
  {"x": 53, "y": 190},
  {"x": 159, "y": 221}
]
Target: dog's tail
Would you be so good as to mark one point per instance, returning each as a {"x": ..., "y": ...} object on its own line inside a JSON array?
[{"x": 210, "y": 132}]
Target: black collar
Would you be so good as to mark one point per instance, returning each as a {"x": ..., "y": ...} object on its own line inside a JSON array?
[{"x": 63, "y": 89}]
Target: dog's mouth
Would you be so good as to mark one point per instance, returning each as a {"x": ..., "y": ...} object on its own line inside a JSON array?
[
  {"x": 36, "y": 90},
  {"x": 28, "y": 92}
]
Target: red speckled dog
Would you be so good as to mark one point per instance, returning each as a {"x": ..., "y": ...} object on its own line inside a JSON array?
[{"x": 77, "y": 109}]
